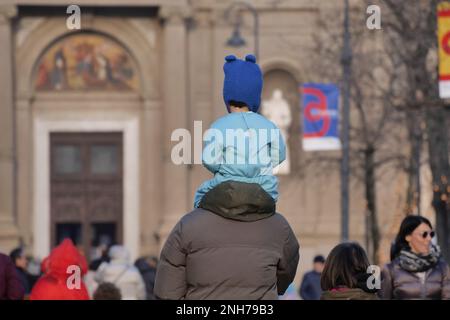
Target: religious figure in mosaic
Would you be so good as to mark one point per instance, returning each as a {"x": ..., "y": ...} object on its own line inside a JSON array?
[{"x": 86, "y": 62}]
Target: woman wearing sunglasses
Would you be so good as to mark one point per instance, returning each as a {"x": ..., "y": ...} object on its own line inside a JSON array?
[{"x": 417, "y": 270}]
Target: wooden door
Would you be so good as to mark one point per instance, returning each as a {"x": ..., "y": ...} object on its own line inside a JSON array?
[{"x": 86, "y": 188}]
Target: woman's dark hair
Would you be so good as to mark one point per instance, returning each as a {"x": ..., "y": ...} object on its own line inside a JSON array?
[
  {"x": 344, "y": 263},
  {"x": 107, "y": 291},
  {"x": 409, "y": 224}
]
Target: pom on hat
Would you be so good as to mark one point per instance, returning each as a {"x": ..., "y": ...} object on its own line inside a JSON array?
[
  {"x": 250, "y": 58},
  {"x": 230, "y": 58}
]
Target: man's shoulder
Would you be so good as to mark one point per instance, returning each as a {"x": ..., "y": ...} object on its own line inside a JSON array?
[
  {"x": 194, "y": 216},
  {"x": 198, "y": 214},
  {"x": 196, "y": 221},
  {"x": 200, "y": 218},
  {"x": 281, "y": 220},
  {"x": 311, "y": 274}
]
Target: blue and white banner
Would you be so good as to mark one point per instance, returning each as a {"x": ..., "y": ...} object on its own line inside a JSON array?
[{"x": 320, "y": 110}]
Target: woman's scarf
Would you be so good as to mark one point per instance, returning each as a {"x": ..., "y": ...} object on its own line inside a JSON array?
[{"x": 413, "y": 262}]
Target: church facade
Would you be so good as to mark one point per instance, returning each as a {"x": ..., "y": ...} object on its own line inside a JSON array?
[{"x": 87, "y": 117}]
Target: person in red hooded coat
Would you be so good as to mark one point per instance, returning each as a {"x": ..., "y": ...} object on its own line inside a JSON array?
[
  {"x": 45, "y": 264},
  {"x": 60, "y": 280}
]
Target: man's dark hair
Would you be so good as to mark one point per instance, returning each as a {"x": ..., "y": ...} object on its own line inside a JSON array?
[
  {"x": 344, "y": 263},
  {"x": 107, "y": 291},
  {"x": 319, "y": 259}
]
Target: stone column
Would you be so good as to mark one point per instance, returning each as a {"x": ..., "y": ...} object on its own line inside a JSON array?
[
  {"x": 174, "y": 67},
  {"x": 24, "y": 156},
  {"x": 200, "y": 88},
  {"x": 8, "y": 229},
  {"x": 221, "y": 31},
  {"x": 151, "y": 176}
]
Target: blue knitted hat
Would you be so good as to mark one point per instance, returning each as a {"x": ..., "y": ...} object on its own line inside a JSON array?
[{"x": 243, "y": 81}]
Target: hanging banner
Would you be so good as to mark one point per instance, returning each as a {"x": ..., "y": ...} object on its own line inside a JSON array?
[
  {"x": 443, "y": 14},
  {"x": 320, "y": 103}
]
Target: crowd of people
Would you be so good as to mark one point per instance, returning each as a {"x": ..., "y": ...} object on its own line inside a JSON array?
[
  {"x": 66, "y": 275},
  {"x": 416, "y": 271}
]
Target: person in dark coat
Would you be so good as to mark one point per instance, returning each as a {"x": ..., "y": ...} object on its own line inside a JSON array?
[
  {"x": 345, "y": 274},
  {"x": 310, "y": 287},
  {"x": 417, "y": 269},
  {"x": 147, "y": 269},
  {"x": 11, "y": 287},
  {"x": 104, "y": 257},
  {"x": 20, "y": 261},
  {"x": 238, "y": 249}
]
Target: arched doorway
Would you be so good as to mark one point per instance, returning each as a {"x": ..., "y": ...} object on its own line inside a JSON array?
[{"x": 86, "y": 125}]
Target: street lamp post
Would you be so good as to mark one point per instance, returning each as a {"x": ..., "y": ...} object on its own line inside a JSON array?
[
  {"x": 346, "y": 61},
  {"x": 236, "y": 40}
]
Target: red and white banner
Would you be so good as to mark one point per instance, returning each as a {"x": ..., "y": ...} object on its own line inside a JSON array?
[{"x": 443, "y": 14}]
